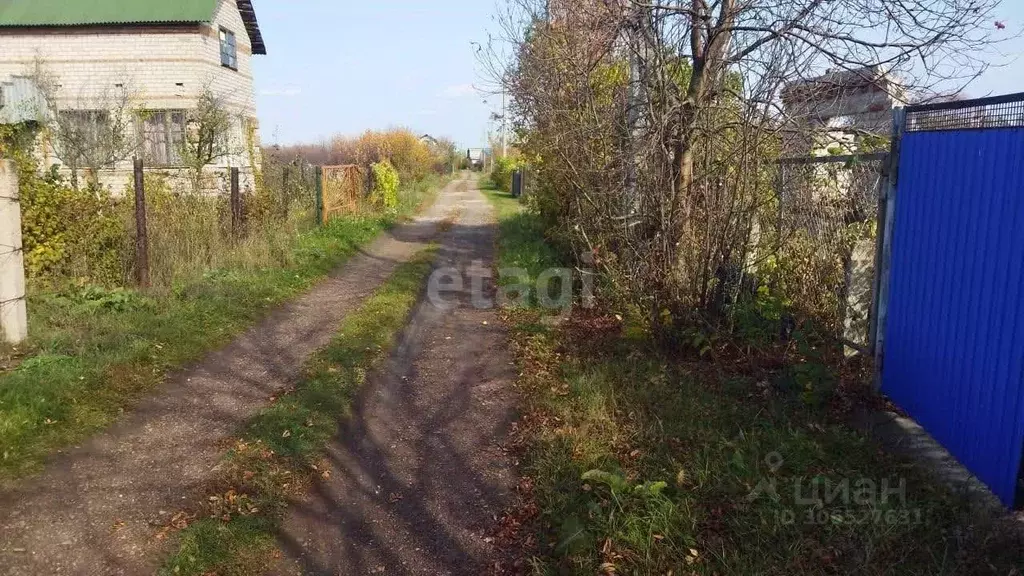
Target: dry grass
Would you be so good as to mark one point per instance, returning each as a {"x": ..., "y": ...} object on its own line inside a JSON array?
[{"x": 645, "y": 463}]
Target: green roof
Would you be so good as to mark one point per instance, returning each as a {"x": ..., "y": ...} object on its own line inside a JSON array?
[
  {"x": 89, "y": 12},
  {"x": 37, "y": 13}
]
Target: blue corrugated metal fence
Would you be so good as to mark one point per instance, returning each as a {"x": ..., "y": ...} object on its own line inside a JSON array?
[{"x": 954, "y": 333}]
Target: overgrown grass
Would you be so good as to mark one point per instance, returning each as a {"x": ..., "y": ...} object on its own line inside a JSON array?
[
  {"x": 415, "y": 195},
  {"x": 93, "y": 351},
  {"x": 281, "y": 446},
  {"x": 644, "y": 464},
  {"x": 521, "y": 239}
]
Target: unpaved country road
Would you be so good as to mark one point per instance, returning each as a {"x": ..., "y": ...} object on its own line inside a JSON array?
[
  {"x": 418, "y": 475},
  {"x": 96, "y": 509}
]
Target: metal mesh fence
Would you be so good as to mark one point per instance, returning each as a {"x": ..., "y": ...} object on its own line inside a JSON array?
[
  {"x": 292, "y": 185},
  {"x": 996, "y": 112},
  {"x": 826, "y": 230},
  {"x": 343, "y": 189}
]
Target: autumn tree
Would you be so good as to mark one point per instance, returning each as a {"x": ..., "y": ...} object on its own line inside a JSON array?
[
  {"x": 209, "y": 126},
  {"x": 655, "y": 124}
]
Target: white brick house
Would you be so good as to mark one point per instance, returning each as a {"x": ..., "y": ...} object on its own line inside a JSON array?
[{"x": 165, "y": 52}]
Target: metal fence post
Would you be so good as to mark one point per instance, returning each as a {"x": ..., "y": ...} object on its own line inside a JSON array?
[
  {"x": 319, "y": 195},
  {"x": 141, "y": 226},
  {"x": 236, "y": 204},
  {"x": 883, "y": 262},
  {"x": 13, "y": 313}
]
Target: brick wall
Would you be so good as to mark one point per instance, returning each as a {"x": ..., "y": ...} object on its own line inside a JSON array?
[{"x": 165, "y": 67}]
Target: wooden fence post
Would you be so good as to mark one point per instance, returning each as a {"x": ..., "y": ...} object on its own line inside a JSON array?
[
  {"x": 285, "y": 196},
  {"x": 236, "y": 204},
  {"x": 13, "y": 314},
  {"x": 319, "y": 195},
  {"x": 141, "y": 226}
]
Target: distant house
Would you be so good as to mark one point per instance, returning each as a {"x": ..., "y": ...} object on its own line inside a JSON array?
[
  {"x": 478, "y": 157},
  {"x": 827, "y": 111},
  {"x": 167, "y": 53}
]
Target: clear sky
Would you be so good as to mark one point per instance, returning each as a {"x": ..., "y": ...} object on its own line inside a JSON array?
[
  {"x": 1008, "y": 77},
  {"x": 344, "y": 66}
]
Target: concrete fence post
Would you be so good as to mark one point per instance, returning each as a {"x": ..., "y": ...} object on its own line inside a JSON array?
[{"x": 13, "y": 314}]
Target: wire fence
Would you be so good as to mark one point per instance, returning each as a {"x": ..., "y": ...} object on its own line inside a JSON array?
[
  {"x": 826, "y": 229},
  {"x": 162, "y": 227}
]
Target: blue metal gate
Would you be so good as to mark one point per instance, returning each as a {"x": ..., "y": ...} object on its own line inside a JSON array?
[{"x": 953, "y": 342}]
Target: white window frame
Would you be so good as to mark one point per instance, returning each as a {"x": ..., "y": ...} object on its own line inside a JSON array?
[{"x": 228, "y": 49}]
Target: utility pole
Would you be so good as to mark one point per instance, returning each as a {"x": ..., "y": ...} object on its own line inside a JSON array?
[{"x": 504, "y": 129}]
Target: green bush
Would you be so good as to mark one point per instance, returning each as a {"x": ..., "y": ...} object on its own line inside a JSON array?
[
  {"x": 71, "y": 234},
  {"x": 385, "y": 185},
  {"x": 502, "y": 173}
]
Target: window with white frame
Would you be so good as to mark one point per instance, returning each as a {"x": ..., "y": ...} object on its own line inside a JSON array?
[
  {"x": 228, "y": 49},
  {"x": 162, "y": 135}
]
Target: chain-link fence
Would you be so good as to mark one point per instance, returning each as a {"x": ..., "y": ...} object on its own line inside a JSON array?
[
  {"x": 826, "y": 233},
  {"x": 292, "y": 185}
]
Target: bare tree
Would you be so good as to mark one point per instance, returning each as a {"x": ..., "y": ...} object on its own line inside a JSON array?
[
  {"x": 447, "y": 155},
  {"x": 207, "y": 138},
  {"x": 657, "y": 123},
  {"x": 91, "y": 131}
]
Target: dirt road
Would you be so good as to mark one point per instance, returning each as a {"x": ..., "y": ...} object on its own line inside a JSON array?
[
  {"x": 418, "y": 475},
  {"x": 96, "y": 509}
]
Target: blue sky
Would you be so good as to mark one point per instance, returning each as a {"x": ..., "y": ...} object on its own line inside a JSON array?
[{"x": 344, "y": 66}]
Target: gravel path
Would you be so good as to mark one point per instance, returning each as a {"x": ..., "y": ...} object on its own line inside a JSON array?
[
  {"x": 418, "y": 475},
  {"x": 97, "y": 508}
]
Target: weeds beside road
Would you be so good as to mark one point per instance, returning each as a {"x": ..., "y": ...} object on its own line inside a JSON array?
[
  {"x": 646, "y": 463},
  {"x": 94, "y": 351}
]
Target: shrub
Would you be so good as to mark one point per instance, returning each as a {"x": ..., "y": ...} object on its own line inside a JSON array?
[
  {"x": 70, "y": 233},
  {"x": 385, "y": 185},
  {"x": 502, "y": 173},
  {"x": 67, "y": 233}
]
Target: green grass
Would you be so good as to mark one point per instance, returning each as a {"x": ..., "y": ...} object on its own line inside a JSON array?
[
  {"x": 521, "y": 240},
  {"x": 93, "y": 352},
  {"x": 280, "y": 447},
  {"x": 642, "y": 464}
]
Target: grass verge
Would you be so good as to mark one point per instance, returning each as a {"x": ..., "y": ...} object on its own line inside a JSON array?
[
  {"x": 95, "y": 351},
  {"x": 638, "y": 463},
  {"x": 521, "y": 240},
  {"x": 279, "y": 449}
]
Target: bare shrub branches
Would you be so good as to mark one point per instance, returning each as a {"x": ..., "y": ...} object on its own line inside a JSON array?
[{"x": 655, "y": 126}]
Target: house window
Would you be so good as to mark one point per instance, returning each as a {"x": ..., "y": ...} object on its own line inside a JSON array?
[
  {"x": 85, "y": 136},
  {"x": 228, "y": 49},
  {"x": 162, "y": 137}
]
